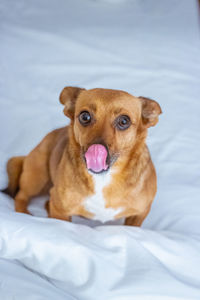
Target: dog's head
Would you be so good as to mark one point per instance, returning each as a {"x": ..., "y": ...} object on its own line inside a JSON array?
[{"x": 107, "y": 124}]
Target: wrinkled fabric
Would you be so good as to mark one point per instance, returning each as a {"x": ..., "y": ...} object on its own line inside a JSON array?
[{"x": 148, "y": 48}]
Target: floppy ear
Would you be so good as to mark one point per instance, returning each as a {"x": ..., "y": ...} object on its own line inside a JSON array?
[
  {"x": 150, "y": 111},
  {"x": 68, "y": 98}
]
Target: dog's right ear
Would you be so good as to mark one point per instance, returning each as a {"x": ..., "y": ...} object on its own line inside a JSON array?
[
  {"x": 68, "y": 98},
  {"x": 150, "y": 111}
]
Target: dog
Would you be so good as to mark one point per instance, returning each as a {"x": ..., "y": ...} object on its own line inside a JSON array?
[{"x": 98, "y": 167}]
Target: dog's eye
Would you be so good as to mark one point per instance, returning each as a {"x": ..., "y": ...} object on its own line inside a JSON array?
[
  {"x": 84, "y": 118},
  {"x": 123, "y": 122}
]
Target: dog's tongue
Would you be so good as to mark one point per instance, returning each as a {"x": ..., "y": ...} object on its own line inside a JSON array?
[{"x": 96, "y": 158}]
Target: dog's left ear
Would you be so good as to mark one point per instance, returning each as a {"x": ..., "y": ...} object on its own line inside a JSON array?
[
  {"x": 150, "y": 111},
  {"x": 68, "y": 98}
]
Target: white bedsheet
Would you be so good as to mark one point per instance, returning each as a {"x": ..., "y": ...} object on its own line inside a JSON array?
[{"x": 148, "y": 48}]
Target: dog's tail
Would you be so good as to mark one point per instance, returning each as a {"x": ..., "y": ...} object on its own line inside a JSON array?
[{"x": 14, "y": 169}]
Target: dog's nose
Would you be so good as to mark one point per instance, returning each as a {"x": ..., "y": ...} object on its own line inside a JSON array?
[{"x": 99, "y": 140}]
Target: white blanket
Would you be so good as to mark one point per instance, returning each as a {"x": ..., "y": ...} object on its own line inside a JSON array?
[{"x": 148, "y": 48}]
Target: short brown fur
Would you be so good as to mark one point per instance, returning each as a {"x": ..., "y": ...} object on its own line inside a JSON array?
[{"x": 57, "y": 166}]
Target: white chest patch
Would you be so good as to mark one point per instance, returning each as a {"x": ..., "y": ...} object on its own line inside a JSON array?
[{"x": 96, "y": 203}]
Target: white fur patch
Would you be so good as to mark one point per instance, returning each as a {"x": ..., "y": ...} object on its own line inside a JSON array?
[{"x": 96, "y": 203}]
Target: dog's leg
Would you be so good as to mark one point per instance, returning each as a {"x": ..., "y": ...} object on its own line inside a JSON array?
[
  {"x": 34, "y": 181},
  {"x": 53, "y": 212},
  {"x": 137, "y": 220},
  {"x": 21, "y": 202}
]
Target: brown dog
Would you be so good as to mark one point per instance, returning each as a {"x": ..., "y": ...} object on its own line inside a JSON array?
[{"x": 99, "y": 166}]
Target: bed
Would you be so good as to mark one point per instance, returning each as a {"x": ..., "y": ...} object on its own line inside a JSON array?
[{"x": 148, "y": 48}]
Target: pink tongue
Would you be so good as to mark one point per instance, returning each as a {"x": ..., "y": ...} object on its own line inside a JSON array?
[{"x": 96, "y": 158}]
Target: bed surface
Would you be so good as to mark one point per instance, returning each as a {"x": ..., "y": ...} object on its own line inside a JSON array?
[{"x": 148, "y": 48}]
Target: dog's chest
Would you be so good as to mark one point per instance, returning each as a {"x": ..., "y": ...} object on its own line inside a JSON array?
[{"x": 96, "y": 204}]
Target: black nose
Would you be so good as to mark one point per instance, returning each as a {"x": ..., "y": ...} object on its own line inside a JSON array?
[{"x": 99, "y": 141}]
